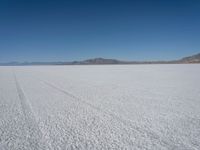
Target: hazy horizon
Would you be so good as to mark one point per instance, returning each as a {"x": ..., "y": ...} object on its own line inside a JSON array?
[{"x": 92, "y": 58}]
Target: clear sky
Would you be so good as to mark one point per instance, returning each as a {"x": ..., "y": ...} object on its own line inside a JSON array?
[{"x": 64, "y": 30}]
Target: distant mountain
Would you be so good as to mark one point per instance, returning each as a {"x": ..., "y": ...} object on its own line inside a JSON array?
[
  {"x": 100, "y": 61},
  {"x": 191, "y": 59}
]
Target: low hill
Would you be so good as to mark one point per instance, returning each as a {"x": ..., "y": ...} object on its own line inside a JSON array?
[
  {"x": 99, "y": 61},
  {"x": 191, "y": 59}
]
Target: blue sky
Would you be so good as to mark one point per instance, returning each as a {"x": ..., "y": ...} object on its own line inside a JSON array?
[{"x": 47, "y": 30}]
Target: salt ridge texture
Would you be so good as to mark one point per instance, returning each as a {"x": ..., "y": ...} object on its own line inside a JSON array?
[{"x": 100, "y": 107}]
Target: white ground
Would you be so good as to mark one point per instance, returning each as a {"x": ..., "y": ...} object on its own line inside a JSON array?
[{"x": 100, "y": 107}]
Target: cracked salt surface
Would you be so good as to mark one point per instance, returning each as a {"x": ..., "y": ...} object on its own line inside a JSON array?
[{"x": 100, "y": 107}]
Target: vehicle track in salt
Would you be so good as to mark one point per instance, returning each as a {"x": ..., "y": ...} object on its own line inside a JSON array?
[
  {"x": 34, "y": 137},
  {"x": 127, "y": 122}
]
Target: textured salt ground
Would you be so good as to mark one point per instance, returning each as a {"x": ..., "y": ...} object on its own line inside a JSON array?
[{"x": 100, "y": 107}]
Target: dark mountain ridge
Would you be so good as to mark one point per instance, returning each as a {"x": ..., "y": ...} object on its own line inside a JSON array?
[
  {"x": 191, "y": 59},
  {"x": 98, "y": 61}
]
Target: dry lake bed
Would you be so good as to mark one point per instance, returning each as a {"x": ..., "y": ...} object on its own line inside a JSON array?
[{"x": 100, "y": 107}]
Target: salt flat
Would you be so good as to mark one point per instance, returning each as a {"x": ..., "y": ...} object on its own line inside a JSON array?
[{"x": 100, "y": 107}]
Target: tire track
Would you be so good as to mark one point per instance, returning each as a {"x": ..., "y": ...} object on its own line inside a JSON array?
[
  {"x": 127, "y": 122},
  {"x": 34, "y": 136}
]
